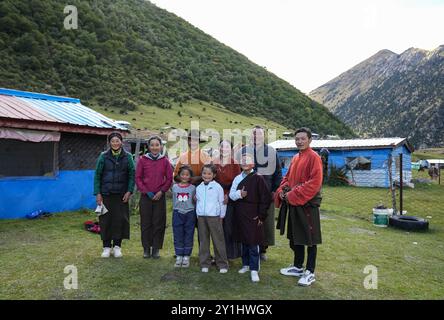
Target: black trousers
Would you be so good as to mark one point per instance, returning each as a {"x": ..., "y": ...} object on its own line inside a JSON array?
[
  {"x": 152, "y": 221},
  {"x": 116, "y": 242},
  {"x": 299, "y": 256}
]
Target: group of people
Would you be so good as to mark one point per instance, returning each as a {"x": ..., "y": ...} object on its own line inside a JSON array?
[{"x": 230, "y": 198}]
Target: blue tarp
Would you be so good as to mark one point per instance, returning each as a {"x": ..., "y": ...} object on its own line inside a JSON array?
[{"x": 70, "y": 190}]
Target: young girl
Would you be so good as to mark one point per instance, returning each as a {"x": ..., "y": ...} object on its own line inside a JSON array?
[
  {"x": 184, "y": 217},
  {"x": 251, "y": 201},
  {"x": 154, "y": 176},
  {"x": 210, "y": 210}
]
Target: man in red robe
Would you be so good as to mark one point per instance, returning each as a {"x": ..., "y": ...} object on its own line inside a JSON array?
[{"x": 300, "y": 189}]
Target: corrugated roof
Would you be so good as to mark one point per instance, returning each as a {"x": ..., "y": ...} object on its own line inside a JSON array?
[
  {"x": 12, "y": 107},
  {"x": 24, "y": 105},
  {"x": 436, "y": 161},
  {"x": 343, "y": 144}
]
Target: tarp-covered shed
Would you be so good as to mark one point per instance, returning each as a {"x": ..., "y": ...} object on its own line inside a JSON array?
[{"x": 48, "y": 149}]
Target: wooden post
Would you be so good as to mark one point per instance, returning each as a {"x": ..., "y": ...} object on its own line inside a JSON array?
[
  {"x": 401, "y": 183},
  {"x": 137, "y": 150},
  {"x": 439, "y": 173},
  {"x": 392, "y": 187},
  {"x": 133, "y": 202}
]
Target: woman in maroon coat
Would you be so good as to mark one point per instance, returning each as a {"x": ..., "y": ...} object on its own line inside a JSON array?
[{"x": 154, "y": 176}]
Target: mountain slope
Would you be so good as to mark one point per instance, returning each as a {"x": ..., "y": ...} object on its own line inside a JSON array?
[
  {"x": 391, "y": 95},
  {"x": 209, "y": 115},
  {"x": 128, "y": 53}
]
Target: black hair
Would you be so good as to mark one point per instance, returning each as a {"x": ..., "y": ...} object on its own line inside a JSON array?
[
  {"x": 154, "y": 138},
  {"x": 187, "y": 168},
  {"x": 304, "y": 129},
  {"x": 210, "y": 166},
  {"x": 115, "y": 134}
]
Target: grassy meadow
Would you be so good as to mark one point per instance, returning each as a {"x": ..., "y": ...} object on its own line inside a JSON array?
[
  {"x": 34, "y": 253},
  {"x": 209, "y": 115}
]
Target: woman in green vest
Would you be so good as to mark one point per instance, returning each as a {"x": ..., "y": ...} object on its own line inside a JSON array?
[{"x": 113, "y": 187}]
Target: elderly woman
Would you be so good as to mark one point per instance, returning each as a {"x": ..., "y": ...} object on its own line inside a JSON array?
[
  {"x": 227, "y": 169},
  {"x": 113, "y": 186}
]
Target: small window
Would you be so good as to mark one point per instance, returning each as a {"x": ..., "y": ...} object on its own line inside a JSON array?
[
  {"x": 359, "y": 163},
  {"x": 27, "y": 159}
]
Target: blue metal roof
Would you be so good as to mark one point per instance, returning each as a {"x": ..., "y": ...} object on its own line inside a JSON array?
[
  {"x": 34, "y": 95},
  {"x": 62, "y": 109}
]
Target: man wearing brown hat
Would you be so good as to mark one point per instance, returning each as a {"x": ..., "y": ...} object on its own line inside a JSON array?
[{"x": 193, "y": 157}]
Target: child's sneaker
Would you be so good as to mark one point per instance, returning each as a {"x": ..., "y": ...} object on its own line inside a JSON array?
[
  {"x": 204, "y": 270},
  {"x": 117, "y": 252},
  {"x": 244, "y": 269},
  {"x": 178, "y": 263},
  {"x": 307, "y": 279},
  {"x": 292, "y": 271},
  {"x": 254, "y": 276},
  {"x": 223, "y": 270},
  {"x": 106, "y": 252},
  {"x": 186, "y": 262}
]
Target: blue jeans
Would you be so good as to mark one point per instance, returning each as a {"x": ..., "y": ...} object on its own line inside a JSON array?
[
  {"x": 183, "y": 232},
  {"x": 250, "y": 256}
]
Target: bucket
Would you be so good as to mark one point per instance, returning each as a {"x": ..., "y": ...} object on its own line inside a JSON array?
[{"x": 381, "y": 217}]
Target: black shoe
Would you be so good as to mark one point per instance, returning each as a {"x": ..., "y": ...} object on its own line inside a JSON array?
[
  {"x": 147, "y": 253},
  {"x": 155, "y": 254}
]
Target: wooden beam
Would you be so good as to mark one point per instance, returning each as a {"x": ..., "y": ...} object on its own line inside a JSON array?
[{"x": 60, "y": 127}]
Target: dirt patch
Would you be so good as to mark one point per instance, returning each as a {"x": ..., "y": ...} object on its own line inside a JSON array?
[{"x": 171, "y": 276}]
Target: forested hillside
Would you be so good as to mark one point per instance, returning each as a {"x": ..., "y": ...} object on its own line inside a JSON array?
[{"x": 127, "y": 53}]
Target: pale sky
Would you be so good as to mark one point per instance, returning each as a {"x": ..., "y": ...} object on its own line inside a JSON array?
[{"x": 308, "y": 43}]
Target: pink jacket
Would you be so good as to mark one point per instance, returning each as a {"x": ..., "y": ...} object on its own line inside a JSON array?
[{"x": 154, "y": 175}]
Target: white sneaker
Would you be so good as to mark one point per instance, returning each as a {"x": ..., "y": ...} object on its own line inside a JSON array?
[
  {"x": 292, "y": 271},
  {"x": 117, "y": 252},
  {"x": 185, "y": 262},
  {"x": 223, "y": 270},
  {"x": 179, "y": 260},
  {"x": 106, "y": 252},
  {"x": 244, "y": 269},
  {"x": 254, "y": 276},
  {"x": 204, "y": 270},
  {"x": 307, "y": 279}
]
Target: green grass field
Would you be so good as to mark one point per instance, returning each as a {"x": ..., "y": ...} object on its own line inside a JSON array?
[
  {"x": 33, "y": 255},
  {"x": 212, "y": 116},
  {"x": 424, "y": 154},
  {"x": 432, "y": 153}
]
